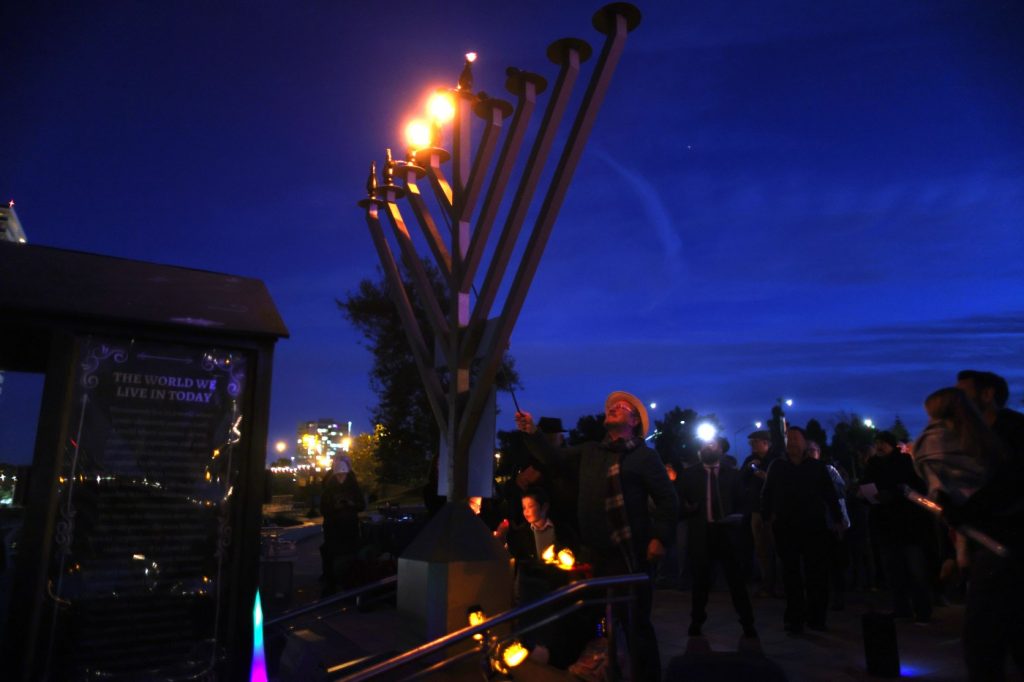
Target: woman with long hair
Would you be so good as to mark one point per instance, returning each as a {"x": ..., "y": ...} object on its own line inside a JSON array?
[
  {"x": 965, "y": 465},
  {"x": 956, "y": 451}
]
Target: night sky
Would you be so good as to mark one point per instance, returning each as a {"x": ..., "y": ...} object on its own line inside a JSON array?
[{"x": 804, "y": 199}]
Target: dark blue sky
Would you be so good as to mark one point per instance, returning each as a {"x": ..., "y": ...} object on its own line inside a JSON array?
[{"x": 806, "y": 199}]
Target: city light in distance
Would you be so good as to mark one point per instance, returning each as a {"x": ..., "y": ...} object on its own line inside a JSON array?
[{"x": 280, "y": 446}]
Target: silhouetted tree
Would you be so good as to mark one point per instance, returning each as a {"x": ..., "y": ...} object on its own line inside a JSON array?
[
  {"x": 816, "y": 433},
  {"x": 588, "y": 428},
  {"x": 899, "y": 429},
  {"x": 851, "y": 439},
  {"x": 514, "y": 453},
  {"x": 409, "y": 438},
  {"x": 365, "y": 460},
  {"x": 674, "y": 435},
  {"x": 676, "y": 440}
]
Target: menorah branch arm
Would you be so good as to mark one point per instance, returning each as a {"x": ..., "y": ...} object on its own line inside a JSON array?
[
  {"x": 421, "y": 356},
  {"x": 431, "y": 160},
  {"x": 426, "y": 222},
  {"x": 494, "y": 112},
  {"x": 617, "y": 24},
  {"x": 424, "y": 289},
  {"x": 570, "y": 53},
  {"x": 526, "y": 86}
]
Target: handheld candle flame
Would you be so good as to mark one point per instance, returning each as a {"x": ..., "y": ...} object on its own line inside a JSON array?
[{"x": 514, "y": 654}]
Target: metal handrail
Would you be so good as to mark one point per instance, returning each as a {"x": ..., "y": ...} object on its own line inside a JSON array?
[
  {"x": 330, "y": 601},
  {"x": 467, "y": 632},
  {"x": 571, "y": 608}
]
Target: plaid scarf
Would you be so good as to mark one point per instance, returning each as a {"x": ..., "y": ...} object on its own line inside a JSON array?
[{"x": 615, "y": 503}]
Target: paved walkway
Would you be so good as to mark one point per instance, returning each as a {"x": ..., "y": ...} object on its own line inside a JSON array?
[{"x": 927, "y": 652}]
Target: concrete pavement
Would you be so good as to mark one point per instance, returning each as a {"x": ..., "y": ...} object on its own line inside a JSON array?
[{"x": 927, "y": 652}]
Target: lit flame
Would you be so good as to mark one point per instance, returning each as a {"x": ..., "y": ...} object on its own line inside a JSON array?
[
  {"x": 471, "y": 57},
  {"x": 514, "y": 654},
  {"x": 566, "y": 560},
  {"x": 475, "y": 618},
  {"x": 549, "y": 554},
  {"x": 440, "y": 107},
  {"x": 418, "y": 134}
]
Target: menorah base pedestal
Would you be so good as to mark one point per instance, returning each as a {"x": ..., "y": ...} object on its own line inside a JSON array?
[{"x": 453, "y": 564}]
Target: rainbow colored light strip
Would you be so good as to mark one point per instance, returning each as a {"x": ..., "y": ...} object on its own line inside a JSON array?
[{"x": 258, "y": 668}]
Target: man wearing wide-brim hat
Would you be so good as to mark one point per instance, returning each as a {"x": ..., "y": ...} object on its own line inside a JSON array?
[{"x": 618, "y": 532}]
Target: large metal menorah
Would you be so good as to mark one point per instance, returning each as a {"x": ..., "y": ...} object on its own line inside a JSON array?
[{"x": 467, "y": 338}]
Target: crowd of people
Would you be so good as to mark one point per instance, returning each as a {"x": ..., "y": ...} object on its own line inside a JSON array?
[{"x": 791, "y": 523}]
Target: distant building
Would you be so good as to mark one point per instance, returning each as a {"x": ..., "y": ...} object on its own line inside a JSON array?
[
  {"x": 318, "y": 442},
  {"x": 10, "y": 226}
]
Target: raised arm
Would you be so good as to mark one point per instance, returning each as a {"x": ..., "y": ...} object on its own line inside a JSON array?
[{"x": 560, "y": 459}]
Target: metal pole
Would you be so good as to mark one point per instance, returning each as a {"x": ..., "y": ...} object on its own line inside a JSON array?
[{"x": 986, "y": 541}]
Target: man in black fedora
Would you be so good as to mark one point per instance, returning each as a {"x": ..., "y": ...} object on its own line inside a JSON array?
[
  {"x": 618, "y": 533},
  {"x": 561, "y": 489},
  {"x": 531, "y": 473}
]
